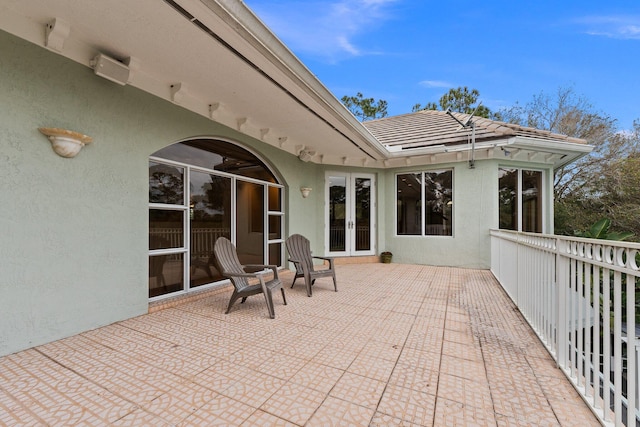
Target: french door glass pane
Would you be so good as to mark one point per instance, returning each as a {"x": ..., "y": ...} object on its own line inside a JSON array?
[
  {"x": 409, "y": 204},
  {"x": 250, "y": 235},
  {"x": 166, "y": 229},
  {"x": 210, "y": 214},
  {"x": 532, "y": 201},
  {"x": 337, "y": 213},
  {"x": 363, "y": 213},
  {"x": 166, "y": 274},
  {"x": 508, "y": 198},
  {"x": 166, "y": 184}
]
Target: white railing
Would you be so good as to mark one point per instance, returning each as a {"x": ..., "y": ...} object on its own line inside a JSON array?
[{"x": 580, "y": 297}]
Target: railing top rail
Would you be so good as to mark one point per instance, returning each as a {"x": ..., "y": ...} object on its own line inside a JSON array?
[{"x": 601, "y": 242}]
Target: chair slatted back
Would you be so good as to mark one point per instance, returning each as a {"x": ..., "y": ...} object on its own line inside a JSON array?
[
  {"x": 299, "y": 248},
  {"x": 227, "y": 260}
]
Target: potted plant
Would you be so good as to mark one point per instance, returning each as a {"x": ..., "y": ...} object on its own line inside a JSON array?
[{"x": 385, "y": 257}]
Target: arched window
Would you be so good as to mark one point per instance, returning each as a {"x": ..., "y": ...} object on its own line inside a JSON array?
[{"x": 200, "y": 190}]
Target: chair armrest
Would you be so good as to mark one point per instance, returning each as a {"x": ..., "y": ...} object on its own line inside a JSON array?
[
  {"x": 273, "y": 268},
  {"x": 230, "y": 274},
  {"x": 326, "y": 258}
]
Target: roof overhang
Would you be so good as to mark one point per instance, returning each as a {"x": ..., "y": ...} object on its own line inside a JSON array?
[
  {"x": 525, "y": 149},
  {"x": 212, "y": 57},
  {"x": 217, "y": 59}
]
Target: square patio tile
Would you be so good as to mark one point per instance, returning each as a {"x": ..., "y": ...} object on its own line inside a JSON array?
[
  {"x": 294, "y": 403},
  {"x": 448, "y": 349},
  {"x": 336, "y": 412},
  {"x": 359, "y": 390}
]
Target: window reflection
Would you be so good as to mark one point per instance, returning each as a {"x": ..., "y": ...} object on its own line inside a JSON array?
[
  {"x": 409, "y": 203},
  {"x": 218, "y": 155},
  {"x": 165, "y": 274},
  {"x": 508, "y": 198},
  {"x": 363, "y": 213},
  {"x": 438, "y": 192},
  {"x": 182, "y": 234},
  {"x": 337, "y": 213},
  {"x": 166, "y": 184},
  {"x": 520, "y": 200},
  {"x": 532, "y": 201},
  {"x": 250, "y": 238},
  {"x": 210, "y": 214},
  {"x": 166, "y": 229},
  {"x": 427, "y": 195}
]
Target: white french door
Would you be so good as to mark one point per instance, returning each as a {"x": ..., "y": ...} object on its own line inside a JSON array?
[{"x": 349, "y": 214}]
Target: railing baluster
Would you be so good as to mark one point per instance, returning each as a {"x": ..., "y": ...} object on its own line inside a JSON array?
[
  {"x": 595, "y": 362},
  {"x": 631, "y": 350},
  {"x": 606, "y": 342},
  {"x": 579, "y": 296},
  {"x": 572, "y": 317},
  {"x": 617, "y": 346}
]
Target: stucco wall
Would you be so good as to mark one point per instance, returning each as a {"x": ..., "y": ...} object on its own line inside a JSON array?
[
  {"x": 475, "y": 212},
  {"x": 474, "y": 209},
  {"x": 74, "y": 232}
]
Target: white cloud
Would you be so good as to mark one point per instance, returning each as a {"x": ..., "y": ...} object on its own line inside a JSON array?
[
  {"x": 436, "y": 83},
  {"x": 617, "y": 27},
  {"x": 325, "y": 29}
]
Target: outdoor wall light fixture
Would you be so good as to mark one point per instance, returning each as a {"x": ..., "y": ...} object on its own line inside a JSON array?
[
  {"x": 65, "y": 143},
  {"x": 305, "y": 191}
]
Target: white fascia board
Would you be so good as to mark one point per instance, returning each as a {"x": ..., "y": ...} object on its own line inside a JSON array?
[
  {"x": 570, "y": 151},
  {"x": 256, "y": 33},
  {"x": 551, "y": 146}
]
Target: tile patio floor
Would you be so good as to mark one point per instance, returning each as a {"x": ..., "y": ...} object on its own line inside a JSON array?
[{"x": 398, "y": 345}]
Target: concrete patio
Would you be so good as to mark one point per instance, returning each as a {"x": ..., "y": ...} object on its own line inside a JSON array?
[{"x": 402, "y": 345}]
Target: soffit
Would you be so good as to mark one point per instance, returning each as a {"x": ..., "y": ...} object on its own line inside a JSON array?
[
  {"x": 239, "y": 74},
  {"x": 227, "y": 74}
]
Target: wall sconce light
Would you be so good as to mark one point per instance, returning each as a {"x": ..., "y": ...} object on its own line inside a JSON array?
[
  {"x": 305, "y": 191},
  {"x": 66, "y": 143}
]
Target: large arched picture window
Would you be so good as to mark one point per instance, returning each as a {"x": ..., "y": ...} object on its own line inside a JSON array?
[{"x": 200, "y": 190}]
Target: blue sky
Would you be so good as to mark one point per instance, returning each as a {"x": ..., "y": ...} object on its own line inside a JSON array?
[{"x": 413, "y": 51}]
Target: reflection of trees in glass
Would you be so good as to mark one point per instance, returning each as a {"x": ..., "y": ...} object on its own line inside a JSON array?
[
  {"x": 212, "y": 201},
  {"x": 337, "y": 200},
  {"x": 438, "y": 191},
  {"x": 438, "y": 194},
  {"x": 165, "y": 186},
  {"x": 507, "y": 198},
  {"x": 363, "y": 198}
]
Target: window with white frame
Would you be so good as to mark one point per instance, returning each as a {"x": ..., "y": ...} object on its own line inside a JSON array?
[
  {"x": 424, "y": 203},
  {"x": 200, "y": 190},
  {"x": 520, "y": 200}
]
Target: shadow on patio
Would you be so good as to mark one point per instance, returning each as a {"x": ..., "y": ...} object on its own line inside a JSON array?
[{"x": 397, "y": 345}]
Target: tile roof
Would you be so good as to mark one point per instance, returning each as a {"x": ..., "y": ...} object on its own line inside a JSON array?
[{"x": 429, "y": 128}]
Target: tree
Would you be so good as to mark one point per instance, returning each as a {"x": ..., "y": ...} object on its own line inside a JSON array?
[
  {"x": 365, "y": 108},
  {"x": 461, "y": 100},
  {"x": 584, "y": 190}
]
